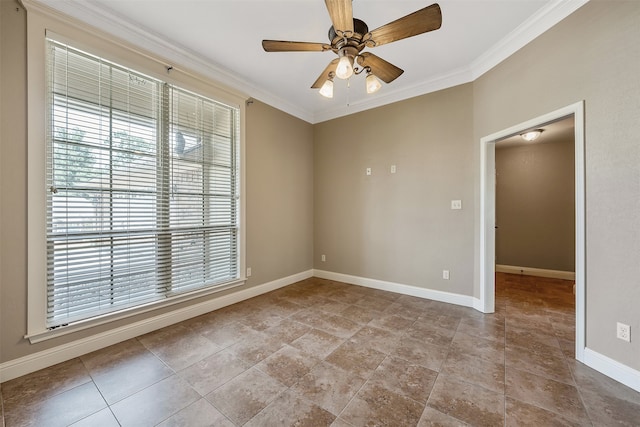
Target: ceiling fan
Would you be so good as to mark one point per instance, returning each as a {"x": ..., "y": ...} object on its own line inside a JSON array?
[{"x": 349, "y": 36}]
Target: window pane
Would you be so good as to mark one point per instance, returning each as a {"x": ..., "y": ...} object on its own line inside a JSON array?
[
  {"x": 202, "y": 191},
  {"x": 143, "y": 189},
  {"x": 102, "y": 204}
]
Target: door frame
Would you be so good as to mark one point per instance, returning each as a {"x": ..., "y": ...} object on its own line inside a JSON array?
[{"x": 487, "y": 240}]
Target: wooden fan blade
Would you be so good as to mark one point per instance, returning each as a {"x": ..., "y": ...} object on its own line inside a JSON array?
[
  {"x": 421, "y": 21},
  {"x": 325, "y": 74},
  {"x": 385, "y": 71},
  {"x": 286, "y": 46},
  {"x": 341, "y": 13}
]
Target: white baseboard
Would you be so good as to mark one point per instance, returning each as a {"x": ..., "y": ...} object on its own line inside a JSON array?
[
  {"x": 464, "y": 300},
  {"x": 538, "y": 272},
  {"x": 607, "y": 366},
  {"x": 43, "y": 359},
  {"x": 613, "y": 369},
  {"x": 477, "y": 304}
]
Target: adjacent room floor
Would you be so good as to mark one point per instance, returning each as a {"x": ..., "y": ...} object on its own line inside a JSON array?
[{"x": 326, "y": 353}]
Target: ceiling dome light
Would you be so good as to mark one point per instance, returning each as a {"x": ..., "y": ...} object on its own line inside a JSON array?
[
  {"x": 372, "y": 83},
  {"x": 531, "y": 135}
]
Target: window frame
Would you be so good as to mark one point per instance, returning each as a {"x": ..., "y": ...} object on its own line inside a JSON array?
[{"x": 41, "y": 26}]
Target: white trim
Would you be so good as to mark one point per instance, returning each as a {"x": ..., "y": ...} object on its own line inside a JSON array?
[
  {"x": 36, "y": 180},
  {"x": 487, "y": 240},
  {"x": 454, "y": 78},
  {"x": 613, "y": 369},
  {"x": 96, "y": 15},
  {"x": 581, "y": 230},
  {"x": 541, "y": 21},
  {"x": 46, "y": 25},
  {"x": 486, "y": 224},
  {"x": 43, "y": 359},
  {"x": 399, "y": 288},
  {"x": 538, "y": 272},
  {"x": 92, "y": 322}
]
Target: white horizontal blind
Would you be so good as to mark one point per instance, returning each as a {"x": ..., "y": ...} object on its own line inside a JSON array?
[
  {"x": 142, "y": 179},
  {"x": 202, "y": 207}
]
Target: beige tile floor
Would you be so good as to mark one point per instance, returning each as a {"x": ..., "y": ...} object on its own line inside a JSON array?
[{"x": 322, "y": 353}]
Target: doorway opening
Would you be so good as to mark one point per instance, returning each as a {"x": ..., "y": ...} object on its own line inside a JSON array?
[
  {"x": 535, "y": 218},
  {"x": 487, "y": 249}
]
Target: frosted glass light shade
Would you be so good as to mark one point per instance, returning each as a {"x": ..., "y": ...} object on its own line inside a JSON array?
[
  {"x": 344, "y": 70},
  {"x": 372, "y": 83},
  {"x": 327, "y": 89}
]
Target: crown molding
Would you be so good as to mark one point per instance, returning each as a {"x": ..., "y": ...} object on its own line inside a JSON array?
[
  {"x": 455, "y": 78},
  {"x": 541, "y": 21},
  {"x": 545, "y": 18},
  {"x": 92, "y": 14}
]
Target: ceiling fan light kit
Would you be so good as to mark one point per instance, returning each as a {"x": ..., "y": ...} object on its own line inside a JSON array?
[
  {"x": 344, "y": 70},
  {"x": 372, "y": 83},
  {"x": 349, "y": 36},
  {"x": 327, "y": 88}
]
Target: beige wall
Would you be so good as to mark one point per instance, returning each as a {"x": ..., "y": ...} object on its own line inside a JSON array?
[
  {"x": 279, "y": 187},
  {"x": 593, "y": 56},
  {"x": 13, "y": 179},
  {"x": 535, "y": 205},
  {"x": 279, "y": 169},
  {"x": 398, "y": 227}
]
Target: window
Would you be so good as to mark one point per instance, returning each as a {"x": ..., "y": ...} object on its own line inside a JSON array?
[{"x": 142, "y": 189}]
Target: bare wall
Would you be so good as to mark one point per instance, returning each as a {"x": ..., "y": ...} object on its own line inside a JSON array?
[
  {"x": 279, "y": 203},
  {"x": 398, "y": 227},
  {"x": 593, "y": 56},
  {"x": 535, "y": 205},
  {"x": 279, "y": 193}
]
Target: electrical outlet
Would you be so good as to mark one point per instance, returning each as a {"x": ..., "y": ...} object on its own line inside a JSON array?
[
  {"x": 445, "y": 274},
  {"x": 323, "y": 257},
  {"x": 248, "y": 271},
  {"x": 623, "y": 332},
  {"x": 456, "y": 204},
  {"x": 368, "y": 171},
  {"x": 393, "y": 168}
]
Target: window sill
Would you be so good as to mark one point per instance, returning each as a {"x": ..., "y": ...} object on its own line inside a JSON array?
[{"x": 47, "y": 334}]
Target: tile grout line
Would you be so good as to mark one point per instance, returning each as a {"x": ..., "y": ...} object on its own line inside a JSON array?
[
  {"x": 548, "y": 318},
  {"x": 101, "y": 395},
  {"x": 439, "y": 371},
  {"x": 578, "y": 388},
  {"x": 2, "y": 405},
  {"x": 110, "y": 405},
  {"x": 504, "y": 391},
  {"x": 372, "y": 371},
  {"x": 290, "y": 388},
  {"x": 514, "y": 304},
  {"x": 367, "y": 379}
]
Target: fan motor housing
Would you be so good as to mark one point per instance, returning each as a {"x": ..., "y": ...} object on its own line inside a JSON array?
[{"x": 360, "y": 28}]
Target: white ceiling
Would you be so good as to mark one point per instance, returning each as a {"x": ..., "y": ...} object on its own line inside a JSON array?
[{"x": 222, "y": 39}]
